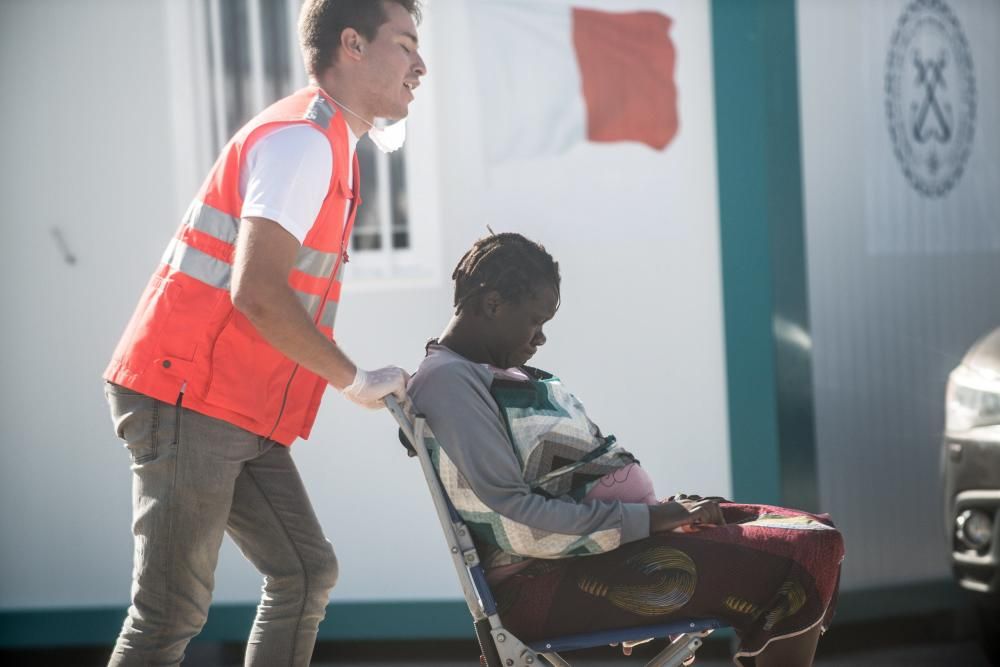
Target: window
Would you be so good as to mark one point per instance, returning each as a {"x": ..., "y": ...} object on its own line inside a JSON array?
[
  {"x": 384, "y": 217},
  {"x": 244, "y": 55},
  {"x": 250, "y": 59}
]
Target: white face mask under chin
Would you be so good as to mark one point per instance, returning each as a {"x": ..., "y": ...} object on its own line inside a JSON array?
[{"x": 388, "y": 138}]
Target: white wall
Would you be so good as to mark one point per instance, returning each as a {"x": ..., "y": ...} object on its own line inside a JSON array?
[
  {"x": 86, "y": 139},
  {"x": 638, "y": 338}
]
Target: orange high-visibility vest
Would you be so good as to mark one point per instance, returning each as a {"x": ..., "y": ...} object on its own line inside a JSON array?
[{"x": 185, "y": 336}]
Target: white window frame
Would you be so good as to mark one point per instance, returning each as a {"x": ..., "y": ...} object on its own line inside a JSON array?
[{"x": 198, "y": 105}]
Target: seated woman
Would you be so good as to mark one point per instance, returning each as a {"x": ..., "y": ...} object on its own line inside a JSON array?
[{"x": 566, "y": 520}]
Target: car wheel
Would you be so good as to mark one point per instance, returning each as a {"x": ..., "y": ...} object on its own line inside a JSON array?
[{"x": 989, "y": 628}]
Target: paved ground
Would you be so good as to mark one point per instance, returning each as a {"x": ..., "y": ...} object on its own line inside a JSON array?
[
  {"x": 941, "y": 640},
  {"x": 939, "y": 654},
  {"x": 965, "y": 654}
]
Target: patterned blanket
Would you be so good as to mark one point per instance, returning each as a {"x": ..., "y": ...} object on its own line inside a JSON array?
[{"x": 770, "y": 573}]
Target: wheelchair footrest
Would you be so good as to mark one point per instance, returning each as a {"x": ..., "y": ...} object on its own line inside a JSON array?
[{"x": 605, "y": 637}]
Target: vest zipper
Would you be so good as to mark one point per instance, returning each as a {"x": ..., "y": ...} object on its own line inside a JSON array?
[{"x": 284, "y": 400}]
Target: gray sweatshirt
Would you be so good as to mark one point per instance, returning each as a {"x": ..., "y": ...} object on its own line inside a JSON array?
[{"x": 487, "y": 484}]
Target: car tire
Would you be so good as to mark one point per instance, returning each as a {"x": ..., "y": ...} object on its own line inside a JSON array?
[{"x": 989, "y": 628}]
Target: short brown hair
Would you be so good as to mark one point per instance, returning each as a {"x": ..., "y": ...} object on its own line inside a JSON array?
[{"x": 321, "y": 23}]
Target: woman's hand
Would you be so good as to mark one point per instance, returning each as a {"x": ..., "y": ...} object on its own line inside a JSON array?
[
  {"x": 704, "y": 511},
  {"x": 692, "y": 496},
  {"x": 685, "y": 512}
]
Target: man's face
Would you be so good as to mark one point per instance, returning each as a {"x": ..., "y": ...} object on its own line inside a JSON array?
[{"x": 393, "y": 65}]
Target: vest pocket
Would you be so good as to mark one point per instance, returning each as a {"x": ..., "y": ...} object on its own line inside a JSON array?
[
  {"x": 134, "y": 347},
  {"x": 191, "y": 307},
  {"x": 237, "y": 369}
]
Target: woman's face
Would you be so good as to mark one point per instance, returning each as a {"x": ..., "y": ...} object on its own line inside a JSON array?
[{"x": 517, "y": 327}]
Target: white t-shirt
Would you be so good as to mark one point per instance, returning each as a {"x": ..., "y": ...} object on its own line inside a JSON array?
[{"x": 286, "y": 176}]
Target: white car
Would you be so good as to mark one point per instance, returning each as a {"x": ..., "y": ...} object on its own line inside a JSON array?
[{"x": 971, "y": 470}]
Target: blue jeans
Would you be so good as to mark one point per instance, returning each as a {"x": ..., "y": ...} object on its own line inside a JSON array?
[{"x": 194, "y": 479}]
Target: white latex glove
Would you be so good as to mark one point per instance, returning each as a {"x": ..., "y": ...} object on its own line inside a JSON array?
[{"x": 370, "y": 387}]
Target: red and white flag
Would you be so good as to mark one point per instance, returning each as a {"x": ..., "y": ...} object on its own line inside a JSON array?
[{"x": 553, "y": 75}]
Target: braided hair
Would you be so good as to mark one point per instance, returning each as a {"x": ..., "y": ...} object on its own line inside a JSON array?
[{"x": 507, "y": 263}]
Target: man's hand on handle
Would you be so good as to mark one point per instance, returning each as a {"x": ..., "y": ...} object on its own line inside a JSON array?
[{"x": 370, "y": 387}]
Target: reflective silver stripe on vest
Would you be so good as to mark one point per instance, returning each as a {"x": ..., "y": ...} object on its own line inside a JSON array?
[
  {"x": 321, "y": 266},
  {"x": 314, "y": 262},
  {"x": 320, "y": 112},
  {"x": 309, "y": 301},
  {"x": 329, "y": 314},
  {"x": 212, "y": 221},
  {"x": 197, "y": 264}
]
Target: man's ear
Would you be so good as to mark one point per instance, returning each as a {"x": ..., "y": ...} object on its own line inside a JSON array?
[{"x": 352, "y": 44}]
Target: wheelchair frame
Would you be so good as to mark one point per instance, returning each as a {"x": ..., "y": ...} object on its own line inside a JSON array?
[{"x": 499, "y": 646}]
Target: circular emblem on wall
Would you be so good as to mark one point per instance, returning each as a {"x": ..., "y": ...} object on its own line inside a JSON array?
[{"x": 930, "y": 96}]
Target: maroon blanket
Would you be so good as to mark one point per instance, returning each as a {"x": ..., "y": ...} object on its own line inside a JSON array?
[{"x": 770, "y": 572}]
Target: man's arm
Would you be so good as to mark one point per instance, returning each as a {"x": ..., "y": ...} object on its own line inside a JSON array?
[{"x": 265, "y": 254}]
